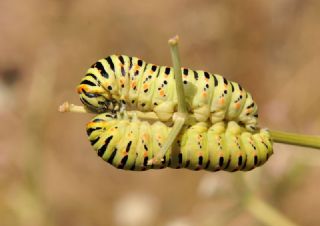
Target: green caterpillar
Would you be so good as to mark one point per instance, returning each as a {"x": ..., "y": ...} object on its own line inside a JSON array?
[
  {"x": 129, "y": 144},
  {"x": 122, "y": 82}
]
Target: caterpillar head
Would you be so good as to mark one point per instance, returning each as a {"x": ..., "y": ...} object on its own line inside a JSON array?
[
  {"x": 96, "y": 99},
  {"x": 98, "y": 88}
]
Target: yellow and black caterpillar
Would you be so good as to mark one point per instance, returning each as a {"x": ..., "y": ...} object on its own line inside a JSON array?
[
  {"x": 122, "y": 82},
  {"x": 130, "y": 143}
]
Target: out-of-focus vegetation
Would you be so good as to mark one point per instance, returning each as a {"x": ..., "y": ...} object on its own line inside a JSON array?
[{"x": 49, "y": 174}]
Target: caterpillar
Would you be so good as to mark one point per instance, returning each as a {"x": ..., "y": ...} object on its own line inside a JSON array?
[
  {"x": 129, "y": 144},
  {"x": 202, "y": 120},
  {"x": 123, "y": 82}
]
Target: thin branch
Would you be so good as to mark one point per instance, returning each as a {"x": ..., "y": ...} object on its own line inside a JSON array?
[
  {"x": 67, "y": 107},
  {"x": 177, "y": 126},
  {"x": 259, "y": 208},
  {"x": 266, "y": 213},
  {"x": 295, "y": 139},
  {"x": 182, "y": 113},
  {"x": 173, "y": 43}
]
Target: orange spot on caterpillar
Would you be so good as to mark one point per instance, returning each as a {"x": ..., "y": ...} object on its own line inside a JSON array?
[
  {"x": 133, "y": 84},
  {"x": 80, "y": 89},
  {"x": 145, "y": 154},
  {"x": 221, "y": 101},
  {"x": 145, "y": 86},
  {"x": 161, "y": 92},
  {"x": 204, "y": 94},
  {"x": 146, "y": 136},
  {"x": 90, "y": 124},
  {"x": 237, "y": 105},
  {"x": 93, "y": 124}
]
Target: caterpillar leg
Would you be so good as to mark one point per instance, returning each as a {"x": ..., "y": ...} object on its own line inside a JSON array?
[{"x": 181, "y": 116}]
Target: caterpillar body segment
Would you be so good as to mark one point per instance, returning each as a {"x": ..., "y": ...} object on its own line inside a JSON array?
[
  {"x": 130, "y": 143},
  {"x": 130, "y": 83}
]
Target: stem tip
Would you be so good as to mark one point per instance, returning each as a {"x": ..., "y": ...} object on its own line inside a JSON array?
[
  {"x": 174, "y": 40},
  {"x": 65, "y": 107}
]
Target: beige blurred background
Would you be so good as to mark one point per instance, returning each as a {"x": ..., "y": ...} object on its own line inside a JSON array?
[{"x": 49, "y": 174}]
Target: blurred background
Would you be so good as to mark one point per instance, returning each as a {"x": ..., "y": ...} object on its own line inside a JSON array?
[{"x": 49, "y": 174}]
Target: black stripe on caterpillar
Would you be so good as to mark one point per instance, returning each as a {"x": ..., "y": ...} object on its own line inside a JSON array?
[
  {"x": 129, "y": 144},
  {"x": 130, "y": 83}
]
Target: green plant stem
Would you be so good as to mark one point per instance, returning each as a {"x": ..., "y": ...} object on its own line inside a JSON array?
[
  {"x": 266, "y": 213},
  {"x": 182, "y": 107},
  {"x": 295, "y": 139},
  {"x": 173, "y": 43},
  {"x": 177, "y": 126}
]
